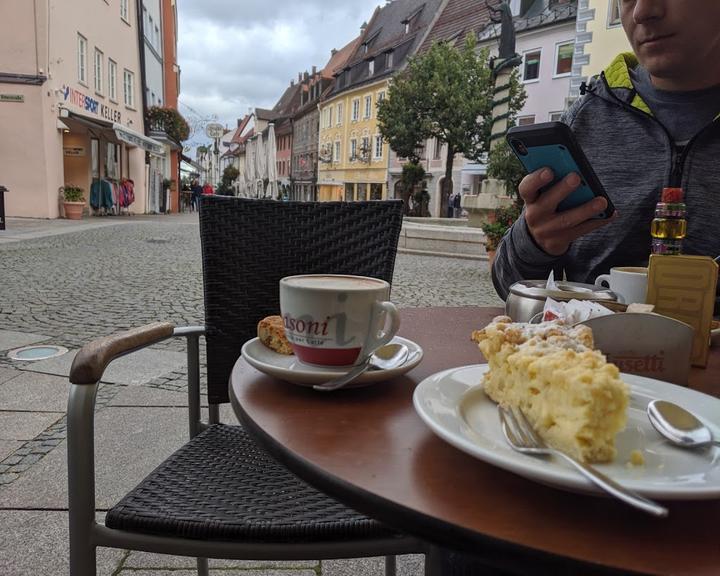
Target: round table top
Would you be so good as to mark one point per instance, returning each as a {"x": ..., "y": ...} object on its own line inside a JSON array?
[{"x": 368, "y": 448}]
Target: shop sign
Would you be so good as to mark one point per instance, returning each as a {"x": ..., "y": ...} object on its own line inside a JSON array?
[
  {"x": 74, "y": 150},
  {"x": 89, "y": 104},
  {"x": 12, "y": 98}
]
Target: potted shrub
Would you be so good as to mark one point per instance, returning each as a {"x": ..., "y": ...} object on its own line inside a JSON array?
[
  {"x": 73, "y": 202},
  {"x": 494, "y": 231}
]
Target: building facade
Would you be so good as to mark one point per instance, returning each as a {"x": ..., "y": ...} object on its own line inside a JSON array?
[
  {"x": 71, "y": 106},
  {"x": 353, "y": 157},
  {"x": 599, "y": 38}
]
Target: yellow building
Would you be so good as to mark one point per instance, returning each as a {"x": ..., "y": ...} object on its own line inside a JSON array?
[
  {"x": 353, "y": 158},
  {"x": 599, "y": 38}
]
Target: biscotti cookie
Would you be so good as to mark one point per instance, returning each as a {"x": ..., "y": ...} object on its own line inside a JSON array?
[{"x": 271, "y": 332}]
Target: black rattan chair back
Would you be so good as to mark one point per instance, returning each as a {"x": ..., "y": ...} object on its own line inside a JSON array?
[{"x": 249, "y": 245}]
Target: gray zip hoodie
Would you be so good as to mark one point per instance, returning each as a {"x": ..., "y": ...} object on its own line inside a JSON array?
[{"x": 634, "y": 158}]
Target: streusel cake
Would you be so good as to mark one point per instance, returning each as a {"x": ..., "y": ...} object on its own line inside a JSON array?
[{"x": 572, "y": 396}]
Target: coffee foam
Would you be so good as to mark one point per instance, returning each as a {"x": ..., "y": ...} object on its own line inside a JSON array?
[{"x": 334, "y": 282}]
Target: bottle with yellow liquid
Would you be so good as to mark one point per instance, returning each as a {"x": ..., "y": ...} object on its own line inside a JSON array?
[{"x": 669, "y": 226}]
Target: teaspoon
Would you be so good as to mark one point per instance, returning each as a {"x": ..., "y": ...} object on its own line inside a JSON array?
[
  {"x": 678, "y": 425},
  {"x": 384, "y": 358}
]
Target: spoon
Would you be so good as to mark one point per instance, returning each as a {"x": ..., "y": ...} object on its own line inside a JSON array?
[
  {"x": 678, "y": 425},
  {"x": 384, "y": 358}
]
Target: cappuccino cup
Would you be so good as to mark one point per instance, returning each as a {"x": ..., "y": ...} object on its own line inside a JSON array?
[
  {"x": 336, "y": 320},
  {"x": 628, "y": 282}
]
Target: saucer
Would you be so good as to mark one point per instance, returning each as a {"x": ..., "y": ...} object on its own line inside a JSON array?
[{"x": 290, "y": 369}]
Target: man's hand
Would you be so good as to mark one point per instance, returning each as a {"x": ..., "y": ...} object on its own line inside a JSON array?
[{"x": 554, "y": 231}]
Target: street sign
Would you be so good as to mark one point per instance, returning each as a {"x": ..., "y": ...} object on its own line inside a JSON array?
[{"x": 214, "y": 130}]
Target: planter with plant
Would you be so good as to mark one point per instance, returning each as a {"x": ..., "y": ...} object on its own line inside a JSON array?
[
  {"x": 73, "y": 201},
  {"x": 503, "y": 166}
]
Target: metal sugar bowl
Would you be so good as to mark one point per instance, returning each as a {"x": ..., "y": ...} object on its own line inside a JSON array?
[{"x": 527, "y": 297}]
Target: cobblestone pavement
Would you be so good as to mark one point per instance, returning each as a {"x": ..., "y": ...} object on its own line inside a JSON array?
[{"x": 73, "y": 287}]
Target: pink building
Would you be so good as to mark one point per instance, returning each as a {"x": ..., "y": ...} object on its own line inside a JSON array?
[{"x": 70, "y": 103}]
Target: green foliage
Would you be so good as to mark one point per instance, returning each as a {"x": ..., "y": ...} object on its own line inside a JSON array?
[
  {"x": 504, "y": 218},
  {"x": 446, "y": 93},
  {"x": 230, "y": 174},
  {"x": 170, "y": 120},
  {"x": 503, "y": 165},
  {"x": 412, "y": 174},
  {"x": 73, "y": 193}
]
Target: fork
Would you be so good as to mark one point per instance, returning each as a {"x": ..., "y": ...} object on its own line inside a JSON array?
[{"x": 523, "y": 438}]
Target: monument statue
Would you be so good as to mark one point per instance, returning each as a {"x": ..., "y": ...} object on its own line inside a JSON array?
[{"x": 502, "y": 14}]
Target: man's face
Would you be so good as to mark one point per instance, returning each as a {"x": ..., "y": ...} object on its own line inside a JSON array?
[{"x": 678, "y": 41}]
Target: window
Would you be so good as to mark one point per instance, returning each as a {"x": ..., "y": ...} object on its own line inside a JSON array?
[
  {"x": 353, "y": 149},
  {"x": 365, "y": 148},
  {"x": 112, "y": 79},
  {"x": 437, "y": 149},
  {"x": 368, "y": 107},
  {"x": 129, "y": 88},
  {"x": 124, "y": 14},
  {"x": 613, "y": 13},
  {"x": 378, "y": 146},
  {"x": 564, "y": 58},
  {"x": 356, "y": 109},
  {"x": 555, "y": 116},
  {"x": 98, "y": 69},
  {"x": 82, "y": 59},
  {"x": 526, "y": 120},
  {"x": 531, "y": 66},
  {"x": 339, "y": 114},
  {"x": 336, "y": 156}
]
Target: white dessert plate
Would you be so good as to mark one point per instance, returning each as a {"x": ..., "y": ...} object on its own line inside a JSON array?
[
  {"x": 290, "y": 369},
  {"x": 453, "y": 404}
]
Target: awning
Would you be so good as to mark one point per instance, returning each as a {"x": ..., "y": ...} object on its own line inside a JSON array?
[{"x": 140, "y": 140}]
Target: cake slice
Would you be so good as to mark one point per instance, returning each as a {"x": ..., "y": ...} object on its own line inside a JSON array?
[{"x": 572, "y": 396}]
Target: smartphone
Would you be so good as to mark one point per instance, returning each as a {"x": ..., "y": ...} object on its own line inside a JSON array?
[{"x": 553, "y": 144}]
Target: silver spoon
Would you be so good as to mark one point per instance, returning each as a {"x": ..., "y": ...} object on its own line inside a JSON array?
[
  {"x": 384, "y": 358},
  {"x": 678, "y": 425}
]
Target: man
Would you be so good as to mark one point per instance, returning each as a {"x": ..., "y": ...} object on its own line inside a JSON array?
[{"x": 650, "y": 120}]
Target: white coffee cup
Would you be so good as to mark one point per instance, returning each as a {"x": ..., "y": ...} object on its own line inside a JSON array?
[
  {"x": 628, "y": 282},
  {"x": 336, "y": 320}
]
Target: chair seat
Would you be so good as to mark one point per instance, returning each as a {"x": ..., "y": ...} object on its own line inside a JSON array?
[{"x": 222, "y": 486}]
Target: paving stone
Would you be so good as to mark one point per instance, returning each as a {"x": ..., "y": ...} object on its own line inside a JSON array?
[
  {"x": 7, "y": 447},
  {"x": 163, "y": 561},
  {"x": 35, "y": 543},
  {"x": 133, "y": 369},
  {"x": 145, "y": 396},
  {"x": 8, "y": 373},
  {"x": 129, "y": 444},
  {"x": 408, "y": 565},
  {"x": 25, "y": 425},
  {"x": 33, "y": 391},
  {"x": 9, "y": 339}
]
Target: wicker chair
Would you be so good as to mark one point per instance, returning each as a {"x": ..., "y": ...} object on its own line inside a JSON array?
[{"x": 220, "y": 495}]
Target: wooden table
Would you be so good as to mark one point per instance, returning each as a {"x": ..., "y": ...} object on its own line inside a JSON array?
[{"x": 368, "y": 448}]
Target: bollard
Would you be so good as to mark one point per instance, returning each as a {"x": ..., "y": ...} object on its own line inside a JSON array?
[{"x": 2, "y": 206}]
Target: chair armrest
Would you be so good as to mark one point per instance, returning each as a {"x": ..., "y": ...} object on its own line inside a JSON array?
[{"x": 92, "y": 359}]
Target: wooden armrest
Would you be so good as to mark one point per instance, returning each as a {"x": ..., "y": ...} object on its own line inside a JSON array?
[{"x": 93, "y": 358}]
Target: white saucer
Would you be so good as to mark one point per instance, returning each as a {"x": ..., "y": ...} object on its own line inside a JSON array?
[{"x": 289, "y": 368}]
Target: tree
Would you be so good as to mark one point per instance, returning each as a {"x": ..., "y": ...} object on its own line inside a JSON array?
[{"x": 445, "y": 93}]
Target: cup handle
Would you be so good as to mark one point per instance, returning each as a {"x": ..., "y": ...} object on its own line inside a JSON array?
[
  {"x": 381, "y": 337},
  {"x": 603, "y": 278}
]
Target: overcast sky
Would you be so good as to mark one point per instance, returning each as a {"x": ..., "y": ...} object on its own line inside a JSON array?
[{"x": 237, "y": 54}]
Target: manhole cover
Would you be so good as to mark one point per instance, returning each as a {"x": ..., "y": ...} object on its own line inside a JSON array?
[{"x": 42, "y": 352}]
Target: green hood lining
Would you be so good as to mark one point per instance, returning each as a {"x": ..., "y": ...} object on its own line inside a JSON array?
[{"x": 617, "y": 75}]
